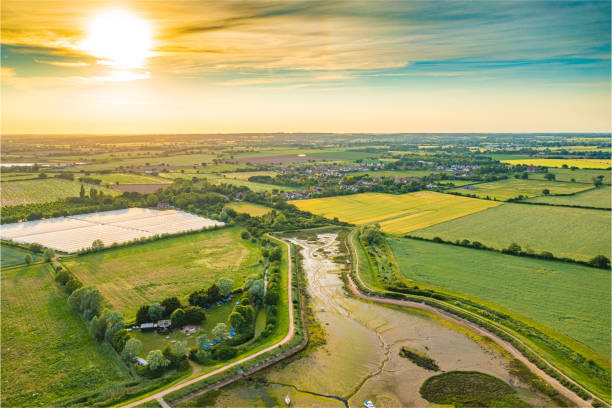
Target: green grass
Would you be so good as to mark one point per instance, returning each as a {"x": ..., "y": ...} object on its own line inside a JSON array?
[
  {"x": 254, "y": 210},
  {"x": 565, "y": 232},
  {"x": 596, "y": 197},
  {"x": 43, "y": 190},
  {"x": 570, "y": 299},
  {"x": 511, "y": 188},
  {"x": 47, "y": 353},
  {"x": 11, "y": 256},
  {"x": 132, "y": 276},
  {"x": 127, "y": 178},
  {"x": 469, "y": 389},
  {"x": 174, "y": 160},
  {"x": 581, "y": 175},
  {"x": 218, "y": 179},
  {"x": 344, "y": 155},
  {"x": 244, "y": 175}
]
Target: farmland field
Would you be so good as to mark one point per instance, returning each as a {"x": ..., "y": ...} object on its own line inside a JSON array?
[
  {"x": 396, "y": 213},
  {"x": 43, "y": 190},
  {"x": 254, "y": 210},
  {"x": 583, "y": 234},
  {"x": 47, "y": 353},
  {"x": 580, "y": 176},
  {"x": 11, "y": 256},
  {"x": 172, "y": 267},
  {"x": 582, "y": 164},
  {"x": 127, "y": 178},
  {"x": 597, "y": 197},
  {"x": 218, "y": 179},
  {"x": 244, "y": 175},
  {"x": 541, "y": 290},
  {"x": 511, "y": 188}
]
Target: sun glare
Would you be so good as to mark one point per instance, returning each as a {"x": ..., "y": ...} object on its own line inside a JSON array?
[{"x": 119, "y": 39}]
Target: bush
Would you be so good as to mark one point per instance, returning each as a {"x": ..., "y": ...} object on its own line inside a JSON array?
[
  {"x": 224, "y": 352},
  {"x": 194, "y": 315},
  {"x": 72, "y": 285},
  {"x": 600, "y": 261},
  {"x": 62, "y": 277}
]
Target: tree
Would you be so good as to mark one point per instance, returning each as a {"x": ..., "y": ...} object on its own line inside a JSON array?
[
  {"x": 142, "y": 315},
  {"x": 36, "y": 248},
  {"x": 87, "y": 301},
  {"x": 226, "y": 286},
  {"x": 249, "y": 281},
  {"x": 546, "y": 191},
  {"x": 97, "y": 245},
  {"x": 194, "y": 315},
  {"x": 236, "y": 320},
  {"x": 72, "y": 285},
  {"x": 549, "y": 176},
  {"x": 93, "y": 193},
  {"x": 131, "y": 349},
  {"x": 181, "y": 348},
  {"x": 202, "y": 340},
  {"x": 525, "y": 175},
  {"x": 120, "y": 339},
  {"x": 82, "y": 192},
  {"x": 598, "y": 181},
  {"x": 97, "y": 328},
  {"x": 156, "y": 311},
  {"x": 178, "y": 318},
  {"x": 514, "y": 248},
  {"x": 213, "y": 293},
  {"x": 600, "y": 261},
  {"x": 48, "y": 254},
  {"x": 62, "y": 277},
  {"x": 171, "y": 304},
  {"x": 156, "y": 360},
  {"x": 256, "y": 291},
  {"x": 28, "y": 259},
  {"x": 220, "y": 331}
]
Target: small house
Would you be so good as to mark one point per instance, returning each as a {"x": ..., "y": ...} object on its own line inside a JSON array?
[{"x": 164, "y": 324}]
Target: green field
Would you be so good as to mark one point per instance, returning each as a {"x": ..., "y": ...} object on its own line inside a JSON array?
[
  {"x": 43, "y": 190},
  {"x": 596, "y": 197},
  {"x": 48, "y": 355},
  {"x": 174, "y": 160},
  {"x": 396, "y": 214},
  {"x": 566, "y": 232},
  {"x": 581, "y": 164},
  {"x": 511, "y": 188},
  {"x": 580, "y": 176},
  {"x": 127, "y": 178},
  {"x": 254, "y": 210},
  {"x": 132, "y": 276},
  {"x": 244, "y": 175},
  {"x": 11, "y": 256},
  {"x": 344, "y": 155},
  {"x": 218, "y": 179},
  {"x": 571, "y": 299}
]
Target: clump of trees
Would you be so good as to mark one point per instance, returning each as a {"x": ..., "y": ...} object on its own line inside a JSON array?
[{"x": 170, "y": 308}]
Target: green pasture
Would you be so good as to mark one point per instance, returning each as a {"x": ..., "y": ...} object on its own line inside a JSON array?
[
  {"x": 132, "y": 276},
  {"x": 43, "y": 190},
  {"x": 570, "y": 299},
  {"x": 596, "y": 197},
  {"x": 129, "y": 178},
  {"x": 511, "y": 188},
  {"x": 254, "y": 210},
  {"x": 11, "y": 256},
  {"x": 575, "y": 233},
  {"x": 580, "y": 175},
  {"x": 48, "y": 355}
]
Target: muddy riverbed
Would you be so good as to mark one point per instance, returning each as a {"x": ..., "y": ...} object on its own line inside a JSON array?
[{"x": 360, "y": 360}]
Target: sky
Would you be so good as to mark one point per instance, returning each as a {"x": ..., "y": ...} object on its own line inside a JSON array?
[{"x": 80, "y": 66}]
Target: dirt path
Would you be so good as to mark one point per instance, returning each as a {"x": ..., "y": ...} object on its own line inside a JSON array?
[
  {"x": 286, "y": 339},
  {"x": 470, "y": 326}
]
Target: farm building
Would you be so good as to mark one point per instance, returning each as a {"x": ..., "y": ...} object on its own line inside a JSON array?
[{"x": 147, "y": 327}]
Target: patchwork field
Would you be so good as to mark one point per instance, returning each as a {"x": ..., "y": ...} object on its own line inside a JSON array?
[
  {"x": 544, "y": 291},
  {"x": 396, "y": 214},
  {"x": 254, "y": 210},
  {"x": 580, "y": 176},
  {"x": 582, "y": 164},
  {"x": 218, "y": 179},
  {"x": 43, "y": 191},
  {"x": 582, "y": 234},
  {"x": 596, "y": 197},
  {"x": 132, "y": 276},
  {"x": 511, "y": 188},
  {"x": 11, "y": 256},
  {"x": 47, "y": 353}
]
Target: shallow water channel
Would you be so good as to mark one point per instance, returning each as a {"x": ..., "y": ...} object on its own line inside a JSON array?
[{"x": 360, "y": 360}]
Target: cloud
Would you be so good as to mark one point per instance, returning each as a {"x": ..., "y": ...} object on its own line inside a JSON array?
[{"x": 67, "y": 64}]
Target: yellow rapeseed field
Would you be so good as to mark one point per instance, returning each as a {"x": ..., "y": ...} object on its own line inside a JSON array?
[
  {"x": 397, "y": 214},
  {"x": 581, "y": 164}
]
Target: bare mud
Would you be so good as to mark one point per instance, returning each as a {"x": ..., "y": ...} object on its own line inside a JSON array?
[{"x": 360, "y": 360}]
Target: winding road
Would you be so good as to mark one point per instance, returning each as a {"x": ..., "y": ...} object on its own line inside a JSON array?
[
  {"x": 570, "y": 395},
  {"x": 185, "y": 383}
]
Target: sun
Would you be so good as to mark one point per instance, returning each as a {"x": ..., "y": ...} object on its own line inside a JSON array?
[{"x": 119, "y": 39}]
